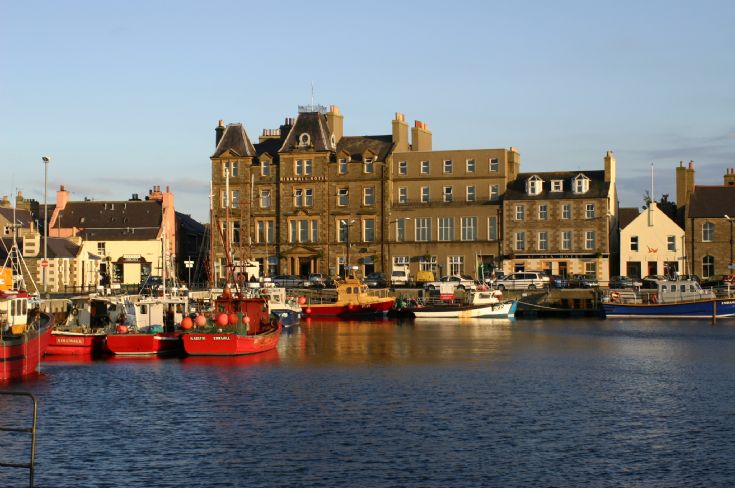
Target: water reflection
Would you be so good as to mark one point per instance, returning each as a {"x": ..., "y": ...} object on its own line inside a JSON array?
[{"x": 385, "y": 341}]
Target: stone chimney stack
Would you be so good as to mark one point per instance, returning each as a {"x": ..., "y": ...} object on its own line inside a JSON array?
[
  {"x": 684, "y": 183},
  {"x": 335, "y": 121},
  {"x": 729, "y": 177},
  {"x": 400, "y": 133},
  {"x": 420, "y": 137},
  {"x": 610, "y": 165},
  {"x": 219, "y": 132}
]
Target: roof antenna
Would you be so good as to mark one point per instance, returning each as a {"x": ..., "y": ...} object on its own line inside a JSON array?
[{"x": 312, "y": 96}]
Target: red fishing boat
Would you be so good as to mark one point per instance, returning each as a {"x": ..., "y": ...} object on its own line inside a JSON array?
[
  {"x": 84, "y": 331},
  {"x": 354, "y": 301},
  {"x": 147, "y": 326},
  {"x": 240, "y": 325},
  {"x": 24, "y": 335}
]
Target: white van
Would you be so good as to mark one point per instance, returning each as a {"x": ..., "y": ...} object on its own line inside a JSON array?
[{"x": 400, "y": 276}]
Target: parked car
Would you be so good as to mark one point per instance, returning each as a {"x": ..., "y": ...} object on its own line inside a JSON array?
[
  {"x": 317, "y": 280},
  {"x": 582, "y": 281},
  {"x": 623, "y": 282},
  {"x": 557, "y": 281},
  {"x": 376, "y": 280},
  {"x": 461, "y": 282},
  {"x": 522, "y": 280},
  {"x": 289, "y": 281}
]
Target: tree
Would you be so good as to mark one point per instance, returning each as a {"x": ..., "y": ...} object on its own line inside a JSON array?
[{"x": 664, "y": 204}]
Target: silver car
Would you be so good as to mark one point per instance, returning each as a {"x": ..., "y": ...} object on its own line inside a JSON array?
[{"x": 522, "y": 280}]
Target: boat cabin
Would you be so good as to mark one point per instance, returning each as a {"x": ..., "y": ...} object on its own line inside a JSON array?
[
  {"x": 13, "y": 311},
  {"x": 663, "y": 290}
]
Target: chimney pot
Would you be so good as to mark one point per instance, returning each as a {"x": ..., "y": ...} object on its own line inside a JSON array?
[
  {"x": 691, "y": 164},
  {"x": 221, "y": 123}
]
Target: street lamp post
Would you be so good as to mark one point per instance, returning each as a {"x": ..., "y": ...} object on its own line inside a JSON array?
[
  {"x": 348, "y": 224},
  {"x": 44, "y": 267}
]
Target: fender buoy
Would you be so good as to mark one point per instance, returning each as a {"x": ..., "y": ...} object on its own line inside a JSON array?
[
  {"x": 615, "y": 296},
  {"x": 654, "y": 298}
]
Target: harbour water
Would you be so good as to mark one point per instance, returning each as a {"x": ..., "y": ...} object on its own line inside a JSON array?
[{"x": 583, "y": 402}]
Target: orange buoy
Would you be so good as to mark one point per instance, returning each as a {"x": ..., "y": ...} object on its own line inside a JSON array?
[
  {"x": 245, "y": 319},
  {"x": 232, "y": 319},
  {"x": 187, "y": 323},
  {"x": 121, "y": 329},
  {"x": 222, "y": 319},
  {"x": 201, "y": 320},
  {"x": 302, "y": 300}
]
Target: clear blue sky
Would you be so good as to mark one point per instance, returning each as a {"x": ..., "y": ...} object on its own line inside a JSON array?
[{"x": 125, "y": 95}]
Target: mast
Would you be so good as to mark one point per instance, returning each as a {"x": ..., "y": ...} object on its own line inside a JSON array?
[
  {"x": 212, "y": 268},
  {"x": 164, "y": 262}
]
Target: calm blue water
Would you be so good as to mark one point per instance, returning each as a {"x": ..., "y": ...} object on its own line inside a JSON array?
[{"x": 525, "y": 403}]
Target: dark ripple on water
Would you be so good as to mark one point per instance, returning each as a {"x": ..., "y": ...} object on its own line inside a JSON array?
[{"x": 551, "y": 403}]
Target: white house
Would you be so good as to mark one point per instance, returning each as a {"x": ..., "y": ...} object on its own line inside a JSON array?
[{"x": 650, "y": 243}]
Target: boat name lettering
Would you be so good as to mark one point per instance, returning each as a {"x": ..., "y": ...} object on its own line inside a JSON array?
[
  {"x": 63, "y": 340},
  {"x": 197, "y": 338},
  {"x": 220, "y": 338}
]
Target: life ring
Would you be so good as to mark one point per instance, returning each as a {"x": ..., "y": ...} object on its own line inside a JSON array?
[
  {"x": 615, "y": 296},
  {"x": 654, "y": 298},
  {"x": 75, "y": 311}
]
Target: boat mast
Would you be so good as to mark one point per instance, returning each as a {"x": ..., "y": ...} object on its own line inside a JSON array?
[{"x": 212, "y": 268}]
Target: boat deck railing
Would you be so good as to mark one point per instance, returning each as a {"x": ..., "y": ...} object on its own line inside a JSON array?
[{"x": 30, "y": 465}]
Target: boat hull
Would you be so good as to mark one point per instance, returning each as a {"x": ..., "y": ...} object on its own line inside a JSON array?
[
  {"x": 62, "y": 343},
  {"x": 287, "y": 316},
  {"x": 701, "y": 309},
  {"x": 230, "y": 343},
  {"x": 21, "y": 355},
  {"x": 162, "y": 343},
  {"x": 499, "y": 310},
  {"x": 348, "y": 311}
]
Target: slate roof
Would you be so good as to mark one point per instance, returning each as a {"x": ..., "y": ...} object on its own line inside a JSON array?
[
  {"x": 598, "y": 188},
  {"x": 58, "y": 247},
  {"x": 712, "y": 201},
  {"x": 626, "y": 215},
  {"x": 189, "y": 224},
  {"x": 356, "y": 146},
  {"x": 314, "y": 124},
  {"x": 270, "y": 146},
  {"x": 236, "y": 140},
  {"x": 24, "y": 217},
  {"x": 113, "y": 221}
]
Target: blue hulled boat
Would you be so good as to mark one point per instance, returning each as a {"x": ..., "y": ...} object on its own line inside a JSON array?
[{"x": 667, "y": 298}]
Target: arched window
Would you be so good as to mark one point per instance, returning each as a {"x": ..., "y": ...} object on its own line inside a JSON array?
[
  {"x": 708, "y": 232},
  {"x": 708, "y": 266}
]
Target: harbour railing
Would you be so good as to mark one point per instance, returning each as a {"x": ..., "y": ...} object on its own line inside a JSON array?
[{"x": 19, "y": 428}]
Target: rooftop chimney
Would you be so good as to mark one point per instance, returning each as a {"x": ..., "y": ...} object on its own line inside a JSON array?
[
  {"x": 335, "y": 121},
  {"x": 730, "y": 177},
  {"x": 420, "y": 137},
  {"x": 219, "y": 132},
  {"x": 400, "y": 133}
]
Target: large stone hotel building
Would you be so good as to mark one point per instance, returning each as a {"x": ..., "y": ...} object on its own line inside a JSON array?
[{"x": 307, "y": 198}]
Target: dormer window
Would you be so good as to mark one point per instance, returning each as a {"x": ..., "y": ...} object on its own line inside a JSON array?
[
  {"x": 304, "y": 140},
  {"x": 368, "y": 167},
  {"x": 556, "y": 185},
  {"x": 265, "y": 168},
  {"x": 581, "y": 184},
  {"x": 534, "y": 185}
]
